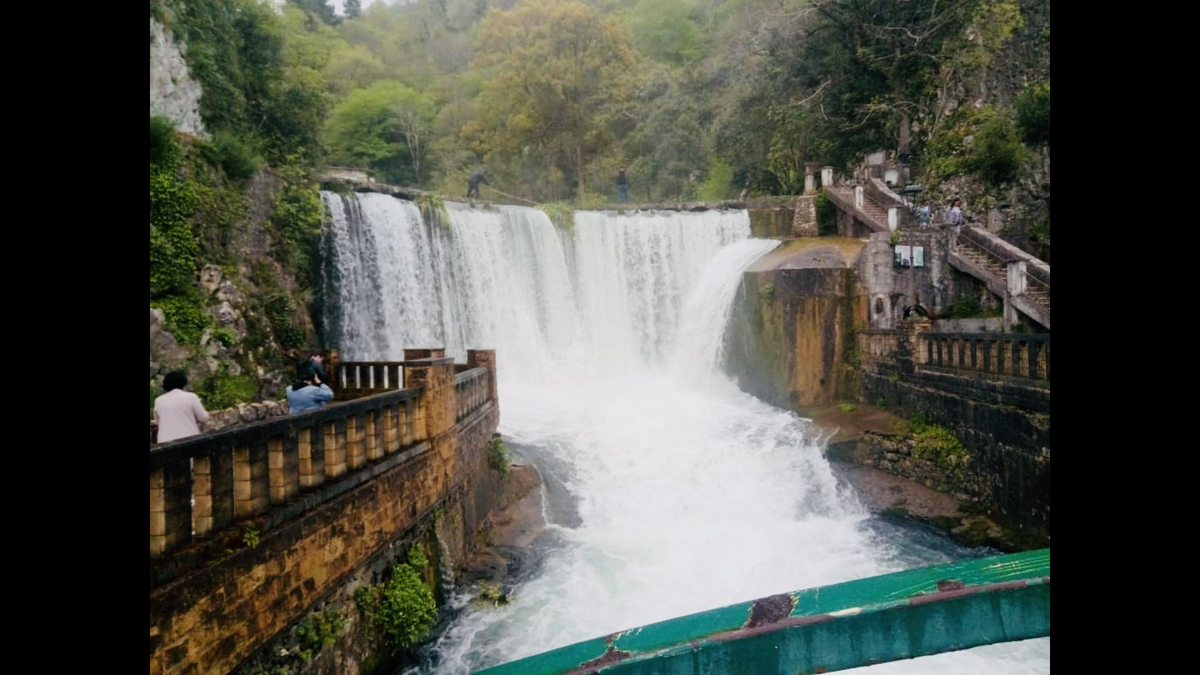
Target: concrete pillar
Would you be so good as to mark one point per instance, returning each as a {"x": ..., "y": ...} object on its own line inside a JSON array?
[
  {"x": 1016, "y": 277},
  {"x": 859, "y": 197},
  {"x": 810, "y": 183},
  {"x": 827, "y": 176},
  {"x": 417, "y": 354},
  {"x": 893, "y": 218},
  {"x": 485, "y": 358},
  {"x": 804, "y": 220},
  {"x": 436, "y": 378}
]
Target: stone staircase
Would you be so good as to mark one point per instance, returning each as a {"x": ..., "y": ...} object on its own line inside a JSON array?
[
  {"x": 1034, "y": 289},
  {"x": 871, "y": 213},
  {"x": 1039, "y": 294}
]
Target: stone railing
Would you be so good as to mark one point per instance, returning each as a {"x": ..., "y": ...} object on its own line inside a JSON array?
[
  {"x": 243, "y": 413},
  {"x": 356, "y": 379},
  {"x": 206, "y": 483},
  {"x": 878, "y": 344},
  {"x": 897, "y": 212},
  {"x": 1005, "y": 253},
  {"x": 470, "y": 392},
  {"x": 1025, "y": 356}
]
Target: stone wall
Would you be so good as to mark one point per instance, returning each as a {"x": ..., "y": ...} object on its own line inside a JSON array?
[
  {"x": 173, "y": 92},
  {"x": 893, "y": 288},
  {"x": 1003, "y": 423},
  {"x": 789, "y": 334}
]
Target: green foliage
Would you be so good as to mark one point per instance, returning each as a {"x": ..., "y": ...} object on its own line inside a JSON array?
[
  {"x": 432, "y": 205},
  {"x": 894, "y": 238},
  {"x": 562, "y": 214},
  {"x": 1042, "y": 231},
  {"x": 498, "y": 456},
  {"x": 766, "y": 291},
  {"x": 217, "y": 211},
  {"x": 718, "y": 184},
  {"x": 938, "y": 446},
  {"x": 668, "y": 31},
  {"x": 997, "y": 153},
  {"x": 223, "y": 390},
  {"x": 384, "y": 127},
  {"x": 225, "y": 336},
  {"x": 164, "y": 149},
  {"x": 296, "y": 221},
  {"x": 233, "y": 155},
  {"x": 1033, "y": 113},
  {"x": 826, "y": 215},
  {"x": 847, "y": 407},
  {"x": 186, "y": 318},
  {"x": 320, "y": 629},
  {"x": 281, "y": 314},
  {"x": 173, "y": 245},
  {"x": 491, "y": 594},
  {"x": 982, "y": 141},
  {"x": 250, "y": 537},
  {"x": 365, "y": 599},
  {"x": 406, "y": 607},
  {"x": 557, "y": 76},
  {"x": 881, "y": 403}
]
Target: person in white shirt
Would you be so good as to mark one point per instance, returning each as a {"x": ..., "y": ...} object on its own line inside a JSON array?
[{"x": 178, "y": 413}]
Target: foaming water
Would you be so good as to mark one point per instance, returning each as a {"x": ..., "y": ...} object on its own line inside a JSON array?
[{"x": 686, "y": 493}]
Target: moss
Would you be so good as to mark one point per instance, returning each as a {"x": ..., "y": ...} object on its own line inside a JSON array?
[
  {"x": 847, "y": 407},
  {"x": 562, "y": 214},
  {"x": 975, "y": 534},
  {"x": 433, "y": 208},
  {"x": 936, "y": 445},
  {"x": 946, "y": 523},
  {"x": 491, "y": 594}
]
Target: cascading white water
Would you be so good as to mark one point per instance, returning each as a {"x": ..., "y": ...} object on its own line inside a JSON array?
[{"x": 687, "y": 494}]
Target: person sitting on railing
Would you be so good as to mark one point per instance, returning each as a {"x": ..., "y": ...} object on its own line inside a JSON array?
[
  {"x": 178, "y": 413},
  {"x": 309, "y": 393}
]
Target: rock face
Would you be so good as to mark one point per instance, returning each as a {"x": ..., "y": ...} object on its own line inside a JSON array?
[{"x": 173, "y": 92}]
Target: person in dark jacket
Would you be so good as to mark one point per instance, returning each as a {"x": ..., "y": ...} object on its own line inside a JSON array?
[
  {"x": 316, "y": 362},
  {"x": 623, "y": 185},
  {"x": 473, "y": 183}
]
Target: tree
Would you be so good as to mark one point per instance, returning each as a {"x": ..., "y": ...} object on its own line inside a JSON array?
[
  {"x": 353, "y": 8},
  {"x": 384, "y": 127},
  {"x": 557, "y": 77},
  {"x": 319, "y": 8}
]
